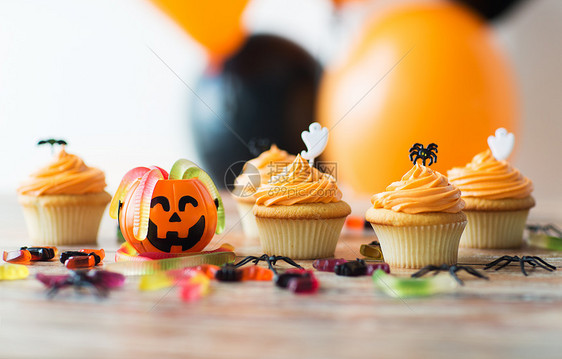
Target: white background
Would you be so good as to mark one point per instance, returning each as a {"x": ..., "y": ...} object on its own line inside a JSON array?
[{"x": 83, "y": 71}]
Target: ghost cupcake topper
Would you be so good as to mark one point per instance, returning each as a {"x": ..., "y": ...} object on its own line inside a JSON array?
[
  {"x": 315, "y": 139},
  {"x": 501, "y": 144}
]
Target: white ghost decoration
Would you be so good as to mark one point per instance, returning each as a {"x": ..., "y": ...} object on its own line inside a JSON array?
[
  {"x": 501, "y": 144},
  {"x": 315, "y": 139}
]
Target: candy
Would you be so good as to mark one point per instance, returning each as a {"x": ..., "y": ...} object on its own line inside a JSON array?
[
  {"x": 371, "y": 250},
  {"x": 327, "y": 265},
  {"x": 412, "y": 287},
  {"x": 100, "y": 280},
  {"x": 299, "y": 281},
  {"x": 228, "y": 273},
  {"x": 351, "y": 269},
  {"x": 155, "y": 281},
  {"x": 18, "y": 256},
  {"x": 372, "y": 267},
  {"x": 543, "y": 240},
  {"x": 80, "y": 262},
  {"x": 99, "y": 252},
  {"x": 13, "y": 271},
  {"x": 256, "y": 273},
  {"x": 41, "y": 253}
]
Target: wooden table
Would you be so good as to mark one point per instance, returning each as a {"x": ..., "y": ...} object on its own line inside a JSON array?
[{"x": 508, "y": 316}]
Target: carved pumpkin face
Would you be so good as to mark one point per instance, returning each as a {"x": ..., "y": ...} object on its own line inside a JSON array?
[{"x": 183, "y": 217}]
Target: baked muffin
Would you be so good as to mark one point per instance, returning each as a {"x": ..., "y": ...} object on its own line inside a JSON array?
[
  {"x": 299, "y": 213},
  {"x": 498, "y": 199},
  {"x": 418, "y": 220},
  {"x": 63, "y": 203},
  {"x": 257, "y": 172}
]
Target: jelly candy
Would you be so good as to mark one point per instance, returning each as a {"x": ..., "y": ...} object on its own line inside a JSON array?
[
  {"x": 99, "y": 252},
  {"x": 372, "y": 250},
  {"x": 18, "y": 256},
  {"x": 372, "y": 267},
  {"x": 351, "y": 269},
  {"x": 228, "y": 273},
  {"x": 80, "y": 262},
  {"x": 156, "y": 281},
  {"x": 10, "y": 271},
  {"x": 41, "y": 253},
  {"x": 256, "y": 273},
  {"x": 300, "y": 281},
  {"x": 327, "y": 265},
  {"x": 412, "y": 287}
]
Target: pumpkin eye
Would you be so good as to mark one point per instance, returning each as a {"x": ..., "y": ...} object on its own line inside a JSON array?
[
  {"x": 185, "y": 200},
  {"x": 163, "y": 201}
]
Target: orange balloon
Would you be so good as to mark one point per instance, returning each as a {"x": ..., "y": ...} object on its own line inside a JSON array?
[
  {"x": 423, "y": 73},
  {"x": 215, "y": 24}
]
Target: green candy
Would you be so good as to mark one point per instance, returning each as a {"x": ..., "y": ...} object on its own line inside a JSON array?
[{"x": 397, "y": 287}]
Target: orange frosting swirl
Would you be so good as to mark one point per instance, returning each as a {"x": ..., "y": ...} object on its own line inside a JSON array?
[
  {"x": 298, "y": 183},
  {"x": 268, "y": 164},
  {"x": 421, "y": 190},
  {"x": 485, "y": 177},
  {"x": 67, "y": 174}
]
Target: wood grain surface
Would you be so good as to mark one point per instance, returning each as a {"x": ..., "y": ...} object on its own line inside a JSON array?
[{"x": 508, "y": 316}]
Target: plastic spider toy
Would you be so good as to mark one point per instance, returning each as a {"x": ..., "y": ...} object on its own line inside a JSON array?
[
  {"x": 419, "y": 152},
  {"x": 297, "y": 280},
  {"x": 534, "y": 261},
  {"x": 271, "y": 261},
  {"x": 451, "y": 269},
  {"x": 100, "y": 281}
]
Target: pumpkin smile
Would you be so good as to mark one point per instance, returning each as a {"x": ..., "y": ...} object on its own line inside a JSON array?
[{"x": 172, "y": 239}]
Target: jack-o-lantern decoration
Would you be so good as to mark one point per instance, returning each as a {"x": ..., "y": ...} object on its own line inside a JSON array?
[{"x": 178, "y": 213}]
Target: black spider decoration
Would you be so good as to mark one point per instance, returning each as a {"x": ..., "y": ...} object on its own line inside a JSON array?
[
  {"x": 271, "y": 261},
  {"x": 451, "y": 269},
  {"x": 52, "y": 142},
  {"x": 534, "y": 261},
  {"x": 419, "y": 152}
]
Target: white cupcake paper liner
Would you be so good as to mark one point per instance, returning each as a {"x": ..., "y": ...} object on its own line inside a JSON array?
[{"x": 419, "y": 246}]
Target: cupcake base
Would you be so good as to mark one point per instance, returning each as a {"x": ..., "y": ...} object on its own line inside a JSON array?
[
  {"x": 419, "y": 246},
  {"x": 64, "y": 219},
  {"x": 300, "y": 238},
  {"x": 494, "y": 229},
  {"x": 301, "y": 231}
]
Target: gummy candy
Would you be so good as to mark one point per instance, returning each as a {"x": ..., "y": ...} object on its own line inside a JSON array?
[
  {"x": 10, "y": 271},
  {"x": 327, "y": 265},
  {"x": 412, "y": 287}
]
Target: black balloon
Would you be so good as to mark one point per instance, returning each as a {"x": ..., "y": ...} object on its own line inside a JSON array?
[
  {"x": 264, "y": 94},
  {"x": 490, "y": 9}
]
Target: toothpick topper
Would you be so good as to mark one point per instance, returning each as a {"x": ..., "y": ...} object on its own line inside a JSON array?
[
  {"x": 501, "y": 144},
  {"x": 315, "y": 139}
]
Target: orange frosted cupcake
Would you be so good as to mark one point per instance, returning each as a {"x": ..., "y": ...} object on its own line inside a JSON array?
[
  {"x": 299, "y": 213},
  {"x": 418, "y": 220},
  {"x": 257, "y": 172},
  {"x": 498, "y": 199},
  {"x": 63, "y": 203}
]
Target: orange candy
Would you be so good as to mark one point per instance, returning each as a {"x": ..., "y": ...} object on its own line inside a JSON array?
[
  {"x": 18, "y": 256},
  {"x": 256, "y": 273},
  {"x": 420, "y": 72}
]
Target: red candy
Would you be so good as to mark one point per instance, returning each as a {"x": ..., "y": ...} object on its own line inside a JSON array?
[
  {"x": 327, "y": 265},
  {"x": 372, "y": 267}
]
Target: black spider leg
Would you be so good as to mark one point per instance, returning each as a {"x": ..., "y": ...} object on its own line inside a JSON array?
[
  {"x": 522, "y": 265},
  {"x": 291, "y": 262},
  {"x": 453, "y": 272},
  {"x": 474, "y": 272},
  {"x": 430, "y": 158},
  {"x": 52, "y": 292},
  {"x": 534, "y": 260},
  {"x": 506, "y": 258},
  {"x": 553, "y": 228},
  {"x": 425, "y": 270},
  {"x": 100, "y": 291},
  {"x": 247, "y": 260}
]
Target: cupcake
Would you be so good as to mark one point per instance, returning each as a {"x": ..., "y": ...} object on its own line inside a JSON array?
[
  {"x": 498, "y": 199},
  {"x": 257, "y": 172},
  {"x": 419, "y": 219},
  {"x": 299, "y": 213},
  {"x": 63, "y": 203}
]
